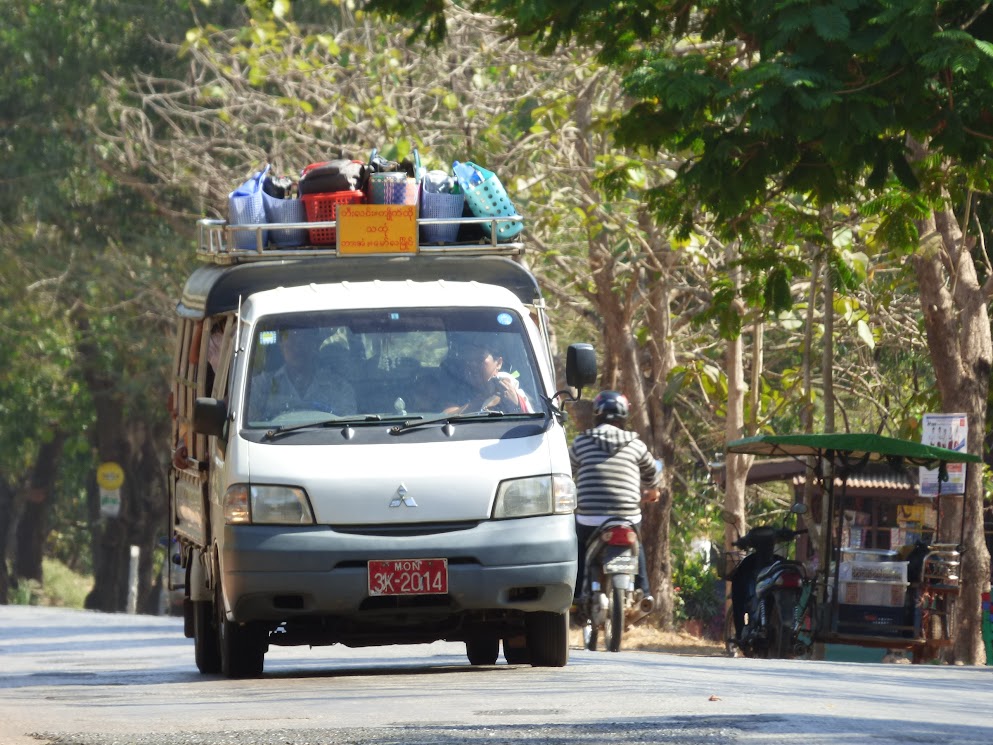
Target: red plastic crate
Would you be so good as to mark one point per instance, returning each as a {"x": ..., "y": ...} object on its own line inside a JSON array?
[{"x": 324, "y": 207}]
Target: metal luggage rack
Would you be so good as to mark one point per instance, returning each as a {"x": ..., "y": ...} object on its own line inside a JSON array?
[{"x": 215, "y": 241}]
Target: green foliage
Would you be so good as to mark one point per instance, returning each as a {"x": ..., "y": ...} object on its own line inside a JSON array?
[
  {"x": 829, "y": 93},
  {"x": 62, "y": 587},
  {"x": 699, "y": 592},
  {"x": 27, "y": 592}
]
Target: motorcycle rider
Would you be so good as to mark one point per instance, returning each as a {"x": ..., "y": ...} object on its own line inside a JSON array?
[{"x": 615, "y": 473}]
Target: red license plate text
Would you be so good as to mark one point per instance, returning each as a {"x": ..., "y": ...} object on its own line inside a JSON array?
[{"x": 408, "y": 577}]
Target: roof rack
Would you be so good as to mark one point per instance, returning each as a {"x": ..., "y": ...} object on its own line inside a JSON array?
[{"x": 216, "y": 243}]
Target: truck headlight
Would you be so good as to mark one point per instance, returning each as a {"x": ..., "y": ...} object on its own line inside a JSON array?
[
  {"x": 535, "y": 495},
  {"x": 273, "y": 505}
]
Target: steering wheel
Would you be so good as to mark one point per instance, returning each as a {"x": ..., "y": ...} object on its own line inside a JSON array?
[{"x": 316, "y": 405}]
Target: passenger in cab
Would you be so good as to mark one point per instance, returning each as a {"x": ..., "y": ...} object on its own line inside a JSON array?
[{"x": 477, "y": 365}]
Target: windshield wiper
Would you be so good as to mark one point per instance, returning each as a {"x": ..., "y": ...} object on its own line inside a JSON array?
[
  {"x": 477, "y": 416},
  {"x": 343, "y": 420}
]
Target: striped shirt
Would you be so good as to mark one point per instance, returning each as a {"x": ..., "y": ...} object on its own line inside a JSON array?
[{"x": 611, "y": 466}]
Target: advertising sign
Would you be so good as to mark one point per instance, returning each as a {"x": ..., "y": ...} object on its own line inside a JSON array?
[{"x": 949, "y": 431}]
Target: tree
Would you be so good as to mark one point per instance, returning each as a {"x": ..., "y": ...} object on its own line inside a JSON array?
[
  {"x": 77, "y": 245},
  {"x": 830, "y": 101}
]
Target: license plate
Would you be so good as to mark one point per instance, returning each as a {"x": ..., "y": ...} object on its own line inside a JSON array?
[
  {"x": 621, "y": 565},
  {"x": 408, "y": 577}
]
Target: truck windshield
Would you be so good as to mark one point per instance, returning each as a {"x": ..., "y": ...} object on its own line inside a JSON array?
[{"x": 392, "y": 363}]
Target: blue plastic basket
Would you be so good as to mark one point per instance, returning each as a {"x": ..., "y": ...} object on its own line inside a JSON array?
[
  {"x": 488, "y": 198},
  {"x": 435, "y": 205},
  {"x": 285, "y": 210},
  {"x": 247, "y": 210},
  {"x": 245, "y": 207}
]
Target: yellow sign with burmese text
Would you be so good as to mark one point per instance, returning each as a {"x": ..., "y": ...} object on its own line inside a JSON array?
[{"x": 377, "y": 229}]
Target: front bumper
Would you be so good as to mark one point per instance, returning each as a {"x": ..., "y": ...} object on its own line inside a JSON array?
[{"x": 276, "y": 573}]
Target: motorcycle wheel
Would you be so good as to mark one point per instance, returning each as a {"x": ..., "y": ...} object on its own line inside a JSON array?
[
  {"x": 779, "y": 636},
  {"x": 730, "y": 647},
  {"x": 591, "y": 635},
  {"x": 803, "y": 645},
  {"x": 614, "y": 627}
]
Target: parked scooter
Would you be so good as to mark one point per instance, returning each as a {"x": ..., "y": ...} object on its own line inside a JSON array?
[
  {"x": 612, "y": 603},
  {"x": 768, "y": 587}
]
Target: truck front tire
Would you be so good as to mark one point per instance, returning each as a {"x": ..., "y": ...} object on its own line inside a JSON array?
[{"x": 548, "y": 638}]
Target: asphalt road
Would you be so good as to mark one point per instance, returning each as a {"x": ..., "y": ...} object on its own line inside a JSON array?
[{"x": 78, "y": 678}]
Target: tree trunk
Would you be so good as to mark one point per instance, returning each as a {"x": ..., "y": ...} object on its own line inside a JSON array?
[
  {"x": 32, "y": 527},
  {"x": 657, "y": 517},
  {"x": 152, "y": 516},
  {"x": 956, "y": 317},
  {"x": 816, "y": 519},
  {"x": 110, "y": 549},
  {"x": 736, "y": 466},
  {"x": 6, "y": 529}
]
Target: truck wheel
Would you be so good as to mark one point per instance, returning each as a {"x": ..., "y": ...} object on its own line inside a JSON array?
[
  {"x": 242, "y": 648},
  {"x": 614, "y": 628},
  {"x": 515, "y": 650},
  {"x": 482, "y": 651},
  {"x": 548, "y": 638},
  {"x": 206, "y": 650}
]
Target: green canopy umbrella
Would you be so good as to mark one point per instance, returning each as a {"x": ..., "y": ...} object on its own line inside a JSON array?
[{"x": 848, "y": 447}]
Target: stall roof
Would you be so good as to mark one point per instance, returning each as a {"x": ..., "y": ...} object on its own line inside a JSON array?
[{"x": 850, "y": 448}]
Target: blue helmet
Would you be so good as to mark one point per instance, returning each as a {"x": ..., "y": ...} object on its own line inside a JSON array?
[{"x": 610, "y": 406}]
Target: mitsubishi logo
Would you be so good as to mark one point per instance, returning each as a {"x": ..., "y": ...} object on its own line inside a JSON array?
[{"x": 401, "y": 498}]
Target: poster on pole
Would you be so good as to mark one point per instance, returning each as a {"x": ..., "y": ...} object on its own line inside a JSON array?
[{"x": 949, "y": 431}]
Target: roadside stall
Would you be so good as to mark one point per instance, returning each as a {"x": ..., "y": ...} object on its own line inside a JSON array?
[{"x": 888, "y": 580}]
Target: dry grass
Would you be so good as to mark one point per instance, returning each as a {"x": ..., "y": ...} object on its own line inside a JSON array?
[{"x": 651, "y": 639}]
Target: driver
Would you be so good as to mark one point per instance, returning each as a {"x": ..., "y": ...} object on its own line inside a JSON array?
[{"x": 308, "y": 379}]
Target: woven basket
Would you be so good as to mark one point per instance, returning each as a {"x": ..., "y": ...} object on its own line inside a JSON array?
[{"x": 324, "y": 207}]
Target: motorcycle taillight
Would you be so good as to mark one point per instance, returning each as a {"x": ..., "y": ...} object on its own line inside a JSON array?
[
  {"x": 623, "y": 536},
  {"x": 789, "y": 580}
]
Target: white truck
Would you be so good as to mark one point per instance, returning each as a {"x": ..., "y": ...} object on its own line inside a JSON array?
[{"x": 344, "y": 473}]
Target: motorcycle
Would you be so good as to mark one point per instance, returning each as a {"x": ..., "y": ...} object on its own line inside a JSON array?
[
  {"x": 774, "y": 591},
  {"x": 611, "y": 601}
]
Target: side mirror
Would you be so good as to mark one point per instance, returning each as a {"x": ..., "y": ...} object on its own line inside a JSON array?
[
  {"x": 210, "y": 416},
  {"x": 580, "y": 365}
]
